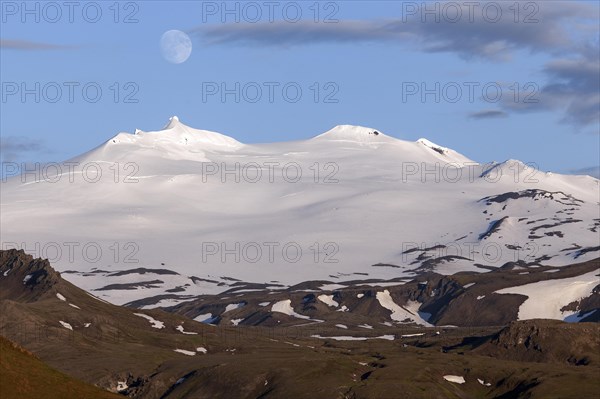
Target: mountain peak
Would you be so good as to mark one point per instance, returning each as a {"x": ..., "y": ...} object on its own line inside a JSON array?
[
  {"x": 25, "y": 279},
  {"x": 359, "y": 134},
  {"x": 173, "y": 121},
  {"x": 176, "y": 136}
]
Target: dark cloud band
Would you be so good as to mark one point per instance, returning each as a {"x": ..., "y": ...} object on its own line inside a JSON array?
[{"x": 29, "y": 45}]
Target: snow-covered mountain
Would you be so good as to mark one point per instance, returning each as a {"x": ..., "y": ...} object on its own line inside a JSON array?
[{"x": 207, "y": 212}]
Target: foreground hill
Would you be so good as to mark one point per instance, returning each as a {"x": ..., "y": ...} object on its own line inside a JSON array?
[
  {"x": 24, "y": 376},
  {"x": 155, "y": 354}
]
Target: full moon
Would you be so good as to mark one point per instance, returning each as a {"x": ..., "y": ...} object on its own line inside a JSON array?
[{"x": 175, "y": 46}]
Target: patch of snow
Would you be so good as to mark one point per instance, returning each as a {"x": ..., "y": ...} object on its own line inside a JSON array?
[
  {"x": 61, "y": 297},
  {"x": 412, "y": 335},
  {"x": 487, "y": 384},
  {"x": 546, "y": 298},
  {"x": 155, "y": 323},
  {"x": 75, "y": 306},
  {"x": 370, "y": 327},
  {"x": 350, "y": 338},
  {"x": 206, "y": 318},
  {"x": 344, "y": 308},
  {"x": 341, "y": 326},
  {"x": 121, "y": 386},
  {"x": 66, "y": 325},
  {"x": 400, "y": 313},
  {"x": 6, "y": 272},
  {"x": 457, "y": 379},
  {"x": 235, "y": 322},
  {"x": 480, "y": 297},
  {"x": 163, "y": 303},
  {"x": 181, "y": 330},
  {"x": 86, "y": 325},
  {"x": 385, "y": 284},
  {"x": 468, "y": 285},
  {"x": 26, "y": 278},
  {"x": 331, "y": 287},
  {"x": 360, "y": 295},
  {"x": 328, "y": 300},
  {"x": 233, "y": 306},
  {"x": 285, "y": 307},
  {"x": 263, "y": 304},
  {"x": 183, "y": 351},
  {"x": 242, "y": 291},
  {"x": 201, "y": 349}
]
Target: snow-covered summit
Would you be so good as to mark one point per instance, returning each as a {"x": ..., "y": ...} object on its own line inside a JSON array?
[
  {"x": 177, "y": 133},
  {"x": 358, "y": 134},
  {"x": 173, "y": 122},
  {"x": 420, "y": 151},
  {"x": 176, "y": 141},
  {"x": 364, "y": 197}
]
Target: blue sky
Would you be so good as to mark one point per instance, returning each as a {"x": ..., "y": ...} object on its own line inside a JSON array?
[{"x": 364, "y": 57}]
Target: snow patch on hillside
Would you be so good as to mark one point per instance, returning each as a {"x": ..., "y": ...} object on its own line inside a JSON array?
[
  {"x": 66, "y": 325},
  {"x": 155, "y": 323},
  {"x": 399, "y": 313},
  {"x": 328, "y": 300},
  {"x": 233, "y": 306},
  {"x": 547, "y": 298},
  {"x": 457, "y": 379},
  {"x": 285, "y": 307},
  {"x": 182, "y": 330},
  {"x": 185, "y": 352}
]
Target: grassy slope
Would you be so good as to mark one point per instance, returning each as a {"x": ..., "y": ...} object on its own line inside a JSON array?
[{"x": 24, "y": 376}]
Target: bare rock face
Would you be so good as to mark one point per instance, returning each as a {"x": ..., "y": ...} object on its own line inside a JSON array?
[
  {"x": 23, "y": 278},
  {"x": 546, "y": 341}
]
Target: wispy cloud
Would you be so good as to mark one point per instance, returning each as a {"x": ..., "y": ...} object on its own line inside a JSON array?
[
  {"x": 9, "y": 44},
  {"x": 488, "y": 114},
  {"x": 560, "y": 29},
  {"x": 593, "y": 171},
  {"x": 573, "y": 87},
  {"x": 14, "y": 148},
  {"x": 468, "y": 37}
]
